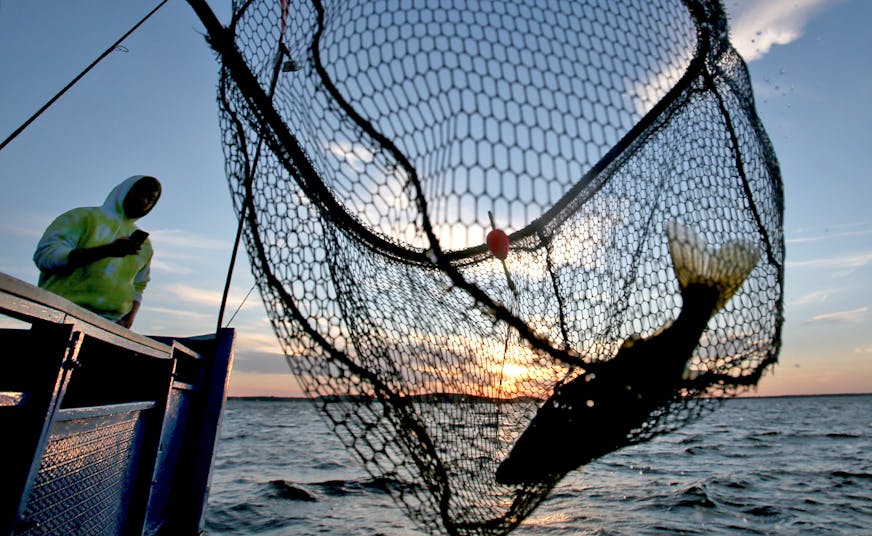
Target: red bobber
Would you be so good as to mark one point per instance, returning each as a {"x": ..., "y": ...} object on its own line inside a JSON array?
[{"x": 498, "y": 244}]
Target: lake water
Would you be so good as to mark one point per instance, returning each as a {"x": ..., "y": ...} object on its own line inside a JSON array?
[{"x": 793, "y": 465}]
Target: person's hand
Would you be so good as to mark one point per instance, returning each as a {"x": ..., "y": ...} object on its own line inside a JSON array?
[{"x": 122, "y": 247}]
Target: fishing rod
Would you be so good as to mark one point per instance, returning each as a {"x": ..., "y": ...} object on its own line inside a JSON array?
[
  {"x": 73, "y": 82},
  {"x": 278, "y": 66}
]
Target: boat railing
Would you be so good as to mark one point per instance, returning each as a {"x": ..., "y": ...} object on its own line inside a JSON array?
[{"x": 107, "y": 431}]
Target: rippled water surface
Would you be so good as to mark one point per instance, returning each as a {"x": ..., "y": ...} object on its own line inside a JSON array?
[{"x": 795, "y": 465}]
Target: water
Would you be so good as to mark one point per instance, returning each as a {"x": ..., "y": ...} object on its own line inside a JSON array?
[{"x": 797, "y": 465}]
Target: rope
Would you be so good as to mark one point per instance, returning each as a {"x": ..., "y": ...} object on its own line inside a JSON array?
[{"x": 105, "y": 53}]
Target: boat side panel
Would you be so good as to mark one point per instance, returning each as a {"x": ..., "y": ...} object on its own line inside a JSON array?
[
  {"x": 35, "y": 364},
  {"x": 117, "y": 431}
]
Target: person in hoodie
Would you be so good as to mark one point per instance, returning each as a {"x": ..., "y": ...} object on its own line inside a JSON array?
[{"x": 96, "y": 257}]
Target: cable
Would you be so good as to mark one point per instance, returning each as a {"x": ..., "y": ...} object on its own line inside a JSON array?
[
  {"x": 105, "y": 53},
  {"x": 240, "y": 306}
]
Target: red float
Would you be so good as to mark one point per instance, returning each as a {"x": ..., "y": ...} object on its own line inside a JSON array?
[{"x": 498, "y": 244}]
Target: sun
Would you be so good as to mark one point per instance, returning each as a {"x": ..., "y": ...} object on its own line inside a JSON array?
[{"x": 511, "y": 371}]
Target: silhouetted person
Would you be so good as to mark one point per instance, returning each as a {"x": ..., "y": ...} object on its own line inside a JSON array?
[{"x": 96, "y": 257}]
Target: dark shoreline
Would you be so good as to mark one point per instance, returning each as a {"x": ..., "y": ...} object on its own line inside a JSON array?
[{"x": 467, "y": 398}]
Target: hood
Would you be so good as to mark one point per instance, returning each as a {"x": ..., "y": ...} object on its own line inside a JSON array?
[{"x": 114, "y": 204}]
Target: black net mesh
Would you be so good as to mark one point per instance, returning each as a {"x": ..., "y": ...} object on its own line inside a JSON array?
[{"x": 369, "y": 144}]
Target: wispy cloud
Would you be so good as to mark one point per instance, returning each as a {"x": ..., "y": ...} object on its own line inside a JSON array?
[
  {"x": 259, "y": 363},
  {"x": 863, "y": 349},
  {"x": 185, "y": 293},
  {"x": 843, "y": 263},
  {"x": 176, "y": 238},
  {"x": 30, "y": 225},
  {"x": 180, "y": 313},
  {"x": 177, "y": 268},
  {"x": 211, "y": 297},
  {"x": 356, "y": 156},
  {"x": 818, "y": 296},
  {"x": 829, "y": 236},
  {"x": 854, "y": 316},
  {"x": 758, "y": 25},
  {"x": 263, "y": 343},
  {"x": 258, "y": 351},
  {"x": 176, "y": 250},
  {"x": 33, "y": 232}
]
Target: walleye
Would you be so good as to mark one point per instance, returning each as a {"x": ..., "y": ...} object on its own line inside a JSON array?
[{"x": 593, "y": 414}]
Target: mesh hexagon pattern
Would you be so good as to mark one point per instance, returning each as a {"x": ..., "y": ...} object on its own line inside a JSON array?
[{"x": 371, "y": 147}]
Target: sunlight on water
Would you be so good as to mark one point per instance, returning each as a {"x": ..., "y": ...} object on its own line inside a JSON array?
[{"x": 780, "y": 466}]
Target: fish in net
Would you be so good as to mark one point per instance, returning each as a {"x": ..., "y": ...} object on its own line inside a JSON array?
[{"x": 500, "y": 239}]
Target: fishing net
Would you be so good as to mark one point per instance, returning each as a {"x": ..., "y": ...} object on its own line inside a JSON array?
[{"x": 372, "y": 146}]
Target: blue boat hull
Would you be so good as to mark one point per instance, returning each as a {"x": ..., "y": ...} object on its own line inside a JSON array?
[{"x": 107, "y": 431}]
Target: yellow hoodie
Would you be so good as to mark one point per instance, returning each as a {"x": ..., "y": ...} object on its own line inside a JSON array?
[{"x": 109, "y": 286}]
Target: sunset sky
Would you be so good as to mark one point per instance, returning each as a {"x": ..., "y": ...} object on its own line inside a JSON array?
[{"x": 150, "y": 108}]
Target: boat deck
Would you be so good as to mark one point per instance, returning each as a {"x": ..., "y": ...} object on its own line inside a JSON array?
[{"x": 106, "y": 431}]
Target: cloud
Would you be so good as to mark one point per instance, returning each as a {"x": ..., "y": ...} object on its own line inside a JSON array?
[
  {"x": 29, "y": 225},
  {"x": 259, "y": 352},
  {"x": 260, "y": 363},
  {"x": 179, "y": 313},
  {"x": 829, "y": 236},
  {"x": 177, "y": 238},
  {"x": 356, "y": 156},
  {"x": 188, "y": 294},
  {"x": 854, "y": 316},
  {"x": 817, "y": 296},
  {"x": 845, "y": 262},
  {"x": 646, "y": 92},
  {"x": 863, "y": 349},
  {"x": 185, "y": 293},
  {"x": 757, "y": 26},
  {"x": 177, "y": 251},
  {"x": 264, "y": 343},
  {"x": 177, "y": 268},
  {"x": 32, "y": 231}
]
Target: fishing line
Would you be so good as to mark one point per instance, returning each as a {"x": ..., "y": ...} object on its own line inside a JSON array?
[
  {"x": 240, "y": 305},
  {"x": 105, "y": 53}
]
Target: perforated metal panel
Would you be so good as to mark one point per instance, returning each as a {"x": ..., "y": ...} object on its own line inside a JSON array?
[{"x": 83, "y": 484}]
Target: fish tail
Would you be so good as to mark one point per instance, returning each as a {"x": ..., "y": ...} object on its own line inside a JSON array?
[{"x": 694, "y": 262}]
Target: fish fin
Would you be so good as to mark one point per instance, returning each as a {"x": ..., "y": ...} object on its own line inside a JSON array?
[{"x": 694, "y": 262}]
